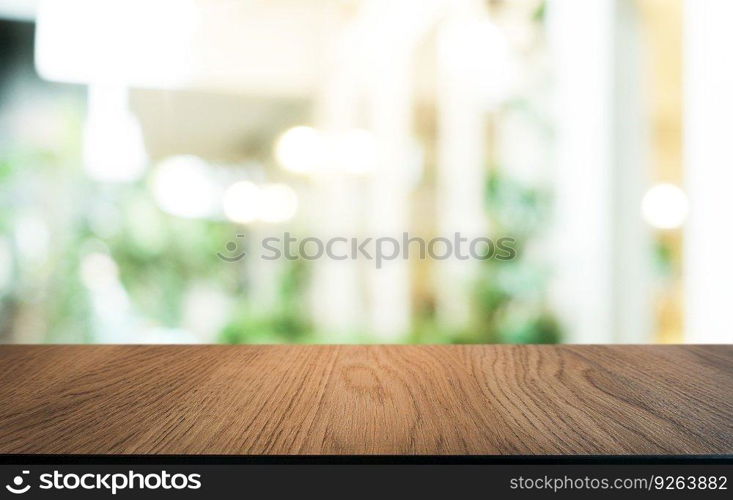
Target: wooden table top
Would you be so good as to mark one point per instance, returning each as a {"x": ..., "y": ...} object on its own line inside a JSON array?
[{"x": 433, "y": 400}]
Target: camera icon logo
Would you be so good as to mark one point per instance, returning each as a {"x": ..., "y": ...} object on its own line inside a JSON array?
[
  {"x": 17, "y": 487},
  {"x": 232, "y": 255}
]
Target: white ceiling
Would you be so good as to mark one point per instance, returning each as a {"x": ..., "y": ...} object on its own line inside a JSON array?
[{"x": 20, "y": 10}]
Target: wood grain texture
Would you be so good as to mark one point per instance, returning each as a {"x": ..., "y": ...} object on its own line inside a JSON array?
[{"x": 489, "y": 400}]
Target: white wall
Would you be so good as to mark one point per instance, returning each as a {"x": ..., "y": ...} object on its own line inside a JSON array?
[
  {"x": 600, "y": 288},
  {"x": 708, "y": 74}
]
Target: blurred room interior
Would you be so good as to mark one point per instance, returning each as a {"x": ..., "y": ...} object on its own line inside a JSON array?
[{"x": 139, "y": 139}]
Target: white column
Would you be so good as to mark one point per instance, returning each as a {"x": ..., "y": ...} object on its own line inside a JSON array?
[
  {"x": 581, "y": 35},
  {"x": 337, "y": 304},
  {"x": 462, "y": 168},
  {"x": 114, "y": 150},
  {"x": 390, "y": 111},
  {"x": 708, "y": 75},
  {"x": 389, "y": 31},
  {"x": 632, "y": 257},
  {"x": 602, "y": 255}
]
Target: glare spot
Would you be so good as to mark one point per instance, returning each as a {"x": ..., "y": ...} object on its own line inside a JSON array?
[
  {"x": 182, "y": 186},
  {"x": 300, "y": 149},
  {"x": 665, "y": 206},
  {"x": 278, "y": 203},
  {"x": 241, "y": 202},
  {"x": 99, "y": 271}
]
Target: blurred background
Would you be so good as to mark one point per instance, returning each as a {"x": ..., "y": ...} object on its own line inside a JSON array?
[{"x": 138, "y": 139}]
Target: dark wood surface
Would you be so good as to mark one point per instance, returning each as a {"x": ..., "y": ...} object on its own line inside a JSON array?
[{"x": 366, "y": 400}]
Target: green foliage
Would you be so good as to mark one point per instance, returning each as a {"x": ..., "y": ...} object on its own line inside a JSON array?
[
  {"x": 540, "y": 13},
  {"x": 39, "y": 178},
  {"x": 510, "y": 294},
  {"x": 285, "y": 322},
  {"x": 160, "y": 256}
]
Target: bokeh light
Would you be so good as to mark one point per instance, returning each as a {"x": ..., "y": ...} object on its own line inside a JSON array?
[
  {"x": 182, "y": 186},
  {"x": 278, "y": 203},
  {"x": 241, "y": 202},
  {"x": 300, "y": 149},
  {"x": 665, "y": 206}
]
